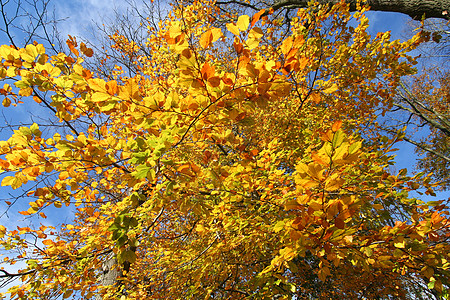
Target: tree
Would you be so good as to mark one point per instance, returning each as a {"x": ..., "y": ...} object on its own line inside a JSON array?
[
  {"x": 409, "y": 112},
  {"x": 421, "y": 105},
  {"x": 426, "y": 100},
  {"x": 23, "y": 22},
  {"x": 235, "y": 162}
]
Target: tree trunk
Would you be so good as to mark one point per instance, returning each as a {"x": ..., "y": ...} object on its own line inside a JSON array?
[
  {"x": 413, "y": 8},
  {"x": 109, "y": 274}
]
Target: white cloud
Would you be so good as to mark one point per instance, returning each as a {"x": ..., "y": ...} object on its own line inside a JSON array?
[{"x": 82, "y": 15}]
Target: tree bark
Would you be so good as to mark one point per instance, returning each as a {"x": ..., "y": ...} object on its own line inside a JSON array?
[
  {"x": 109, "y": 274},
  {"x": 416, "y": 9}
]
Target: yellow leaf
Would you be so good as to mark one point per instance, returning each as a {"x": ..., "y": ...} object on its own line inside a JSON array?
[
  {"x": 5, "y": 51},
  {"x": 323, "y": 273},
  {"x": 6, "y": 102},
  {"x": 315, "y": 171},
  {"x": 243, "y": 22},
  {"x": 8, "y": 180},
  {"x": 303, "y": 62},
  {"x": 200, "y": 228},
  {"x": 130, "y": 90},
  {"x": 98, "y": 85},
  {"x": 233, "y": 28},
  {"x": 291, "y": 204},
  {"x": 301, "y": 168},
  {"x": 2, "y": 231},
  {"x": 67, "y": 294},
  {"x": 216, "y": 33},
  {"x": 298, "y": 41},
  {"x": 40, "y": 49},
  {"x": 252, "y": 43},
  {"x": 306, "y": 183},
  {"x": 322, "y": 157},
  {"x": 100, "y": 97},
  {"x": 288, "y": 253},
  {"x": 331, "y": 89},
  {"x": 181, "y": 46},
  {"x": 185, "y": 169},
  {"x": 31, "y": 210},
  {"x": 399, "y": 242},
  {"x": 210, "y": 37},
  {"x": 334, "y": 182},
  {"x": 340, "y": 153},
  {"x": 377, "y": 206},
  {"x": 315, "y": 205},
  {"x": 206, "y": 39},
  {"x": 256, "y": 33},
  {"x": 27, "y": 54},
  {"x": 338, "y": 139},
  {"x": 174, "y": 30},
  {"x": 11, "y": 72}
]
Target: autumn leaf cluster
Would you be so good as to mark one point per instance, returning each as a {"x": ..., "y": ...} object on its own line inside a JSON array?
[{"x": 242, "y": 160}]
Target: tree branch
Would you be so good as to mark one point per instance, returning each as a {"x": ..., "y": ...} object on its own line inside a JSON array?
[
  {"x": 426, "y": 148},
  {"x": 413, "y": 8}
]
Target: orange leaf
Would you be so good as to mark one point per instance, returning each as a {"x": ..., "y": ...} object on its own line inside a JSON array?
[
  {"x": 111, "y": 87},
  {"x": 193, "y": 106},
  {"x": 238, "y": 47},
  {"x": 286, "y": 46},
  {"x": 323, "y": 273},
  {"x": 47, "y": 242},
  {"x": 185, "y": 169},
  {"x": 256, "y": 17},
  {"x": 340, "y": 224},
  {"x": 303, "y": 63},
  {"x": 63, "y": 175},
  {"x": 207, "y": 71},
  {"x": 37, "y": 99},
  {"x": 86, "y": 51},
  {"x": 71, "y": 42},
  {"x": 214, "y": 81},
  {"x": 336, "y": 126},
  {"x": 315, "y": 97}
]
